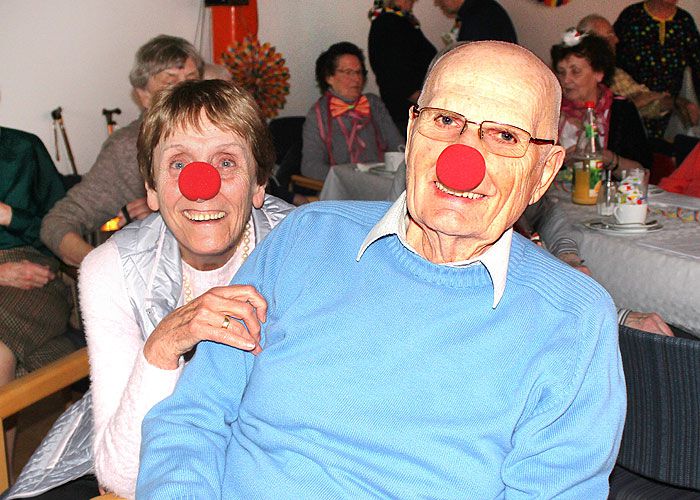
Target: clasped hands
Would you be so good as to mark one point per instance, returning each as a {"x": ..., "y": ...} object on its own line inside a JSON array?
[{"x": 207, "y": 318}]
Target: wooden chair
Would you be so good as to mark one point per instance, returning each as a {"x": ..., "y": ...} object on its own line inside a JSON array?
[
  {"x": 660, "y": 452},
  {"x": 307, "y": 183},
  {"x": 33, "y": 387}
]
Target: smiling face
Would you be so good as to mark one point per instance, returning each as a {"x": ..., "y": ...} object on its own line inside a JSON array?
[
  {"x": 165, "y": 78},
  {"x": 579, "y": 81},
  {"x": 207, "y": 232},
  {"x": 348, "y": 79},
  {"x": 508, "y": 86}
]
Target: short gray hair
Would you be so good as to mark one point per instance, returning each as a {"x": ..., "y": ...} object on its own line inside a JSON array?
[{"x": 159, "y": 53}]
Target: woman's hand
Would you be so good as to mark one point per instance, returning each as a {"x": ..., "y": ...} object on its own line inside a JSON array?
[
  {"x": 207, "y": 318},
  {"x": 25, "y": 275}
]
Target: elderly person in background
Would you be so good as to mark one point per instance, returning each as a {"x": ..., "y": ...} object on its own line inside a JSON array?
[
  {"x": 399, "y": 54},
  {"x": 584, "y": 65},
  {"x": 657, "y": 42},
  {"x": 345, "y": 125},
  {"x": 156, "y": 288},
  {"x": 382, "y": 372},
  {"x": 651, "y": 105},
  {"x": 114, "y": 184}
]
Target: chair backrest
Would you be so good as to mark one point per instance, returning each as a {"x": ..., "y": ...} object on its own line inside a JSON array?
[
  {"x": 661, "y": 440},
  {"x": 287, "y": 138},
  {"x": 682, "y": 146}
]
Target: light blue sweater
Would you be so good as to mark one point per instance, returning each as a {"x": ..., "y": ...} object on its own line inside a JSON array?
[{"x": 395, "y": 377}]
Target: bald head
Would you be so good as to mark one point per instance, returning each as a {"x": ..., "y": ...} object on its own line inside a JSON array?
[
  {"x": 500, "y": 69},
  {"x": 598, "y": 25}
]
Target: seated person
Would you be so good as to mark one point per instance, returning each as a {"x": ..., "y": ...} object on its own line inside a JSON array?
[
  {"x": 651, "y": 105},
  {"x": 584, "y": 65},
  {"x": 114, "y": 184},
  {"x": 539, "y": 218},
  {"x": 382, "y": 372},
  {"x": 345, "y": 126},
  {"x": 29, "y": 186},
  {"x": 686, "y": 178},
  {"x": 156, "y": 288}
]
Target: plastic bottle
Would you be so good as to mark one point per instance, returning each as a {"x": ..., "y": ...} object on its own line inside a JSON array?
[{"x": 588, "y": 160}]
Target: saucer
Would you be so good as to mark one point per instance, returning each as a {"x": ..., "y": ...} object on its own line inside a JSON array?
[{"x": 615, "y": 228}]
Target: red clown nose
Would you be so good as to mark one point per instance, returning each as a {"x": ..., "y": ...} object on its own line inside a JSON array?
[
  {"x": 199, "y": 181},
  {"x": 460, "y": 167}
]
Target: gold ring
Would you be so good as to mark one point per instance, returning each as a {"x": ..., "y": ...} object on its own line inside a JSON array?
[{"x": 226, "y": 322}]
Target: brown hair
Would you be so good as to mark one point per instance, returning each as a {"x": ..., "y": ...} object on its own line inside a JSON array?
[{"x": 226, "y": 105}]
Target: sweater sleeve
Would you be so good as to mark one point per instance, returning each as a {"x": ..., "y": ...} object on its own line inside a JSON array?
[
  {"x": 45, "y": 188},
  {"x": 566, "y": 443},
  {"x": 315, "y": 161},
  {"x": 112, "y": 182},
  {"x": 124, "y": 385}
]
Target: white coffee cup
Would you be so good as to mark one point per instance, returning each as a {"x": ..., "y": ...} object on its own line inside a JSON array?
[
  {"x": 627, "y": 213},
  {"x": 393, "y": 159}
]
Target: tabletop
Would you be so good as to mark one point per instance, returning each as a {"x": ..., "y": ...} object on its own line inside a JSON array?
[
  {"x": 348, "y": 182},
  {"x": 651, "y": 272}
]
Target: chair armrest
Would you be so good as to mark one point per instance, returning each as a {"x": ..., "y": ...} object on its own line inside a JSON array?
[
  {"x": 307, "y": 182},
  {"x": 35, "y": 386}
]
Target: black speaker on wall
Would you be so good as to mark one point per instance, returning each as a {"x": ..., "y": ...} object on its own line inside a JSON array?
[{"x": 217, "y": 3}]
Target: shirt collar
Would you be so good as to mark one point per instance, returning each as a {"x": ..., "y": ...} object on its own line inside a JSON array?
[{"x": 495, "y": 259}]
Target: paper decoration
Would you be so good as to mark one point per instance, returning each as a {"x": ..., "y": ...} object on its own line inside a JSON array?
[
  {"x": 260, "y": 69},
  {"x": 554, "y": 3}
]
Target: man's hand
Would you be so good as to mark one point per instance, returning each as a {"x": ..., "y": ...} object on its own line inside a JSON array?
[
  {"x": 575, "y": 261},
  {"x": 25, "y": 275},
  {"x": 207, "y": 318},
  {"x": 5, "y": 214},
  {"x": 648, "y": 322},
  {"x": 137, "y": 210}
]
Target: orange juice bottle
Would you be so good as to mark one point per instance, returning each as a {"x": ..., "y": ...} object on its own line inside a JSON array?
[{"x": 588, "y": 165}]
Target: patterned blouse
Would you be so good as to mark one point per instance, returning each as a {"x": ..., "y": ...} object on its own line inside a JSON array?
[{"x": 656, "y": 52}]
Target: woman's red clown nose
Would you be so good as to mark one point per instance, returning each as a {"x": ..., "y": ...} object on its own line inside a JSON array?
[
  {"x": 199, "y": 181},
  {"x": 460, "y": 167}
]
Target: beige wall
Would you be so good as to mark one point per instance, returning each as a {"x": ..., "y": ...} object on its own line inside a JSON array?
[{"x": 77, "y": 53}]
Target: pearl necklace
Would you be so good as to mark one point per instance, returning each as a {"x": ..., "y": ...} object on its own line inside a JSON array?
[{"x": 186, "y": 284}]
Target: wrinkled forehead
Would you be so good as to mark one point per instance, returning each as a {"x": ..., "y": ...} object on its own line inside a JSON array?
[{"x": 495, "y": 83}]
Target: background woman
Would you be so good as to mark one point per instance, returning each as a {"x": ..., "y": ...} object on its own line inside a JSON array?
[
  {"x": 399, "y": 54},
  {"x": 584, "y": 65},
  {"x": 345, "y": 125},
  {"x": 155, "y": 289}
]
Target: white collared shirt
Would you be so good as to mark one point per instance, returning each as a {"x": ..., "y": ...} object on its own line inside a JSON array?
[{"x": 495, "y": 259}]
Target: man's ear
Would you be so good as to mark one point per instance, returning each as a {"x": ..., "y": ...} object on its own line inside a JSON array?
[
  {"x": 549, "y": 170},
  {"x": 142, "y": 97},
  {"x": 152, "y": 198}
]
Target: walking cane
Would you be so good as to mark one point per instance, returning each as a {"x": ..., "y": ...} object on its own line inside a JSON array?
[
  {"x": 58, "y": 122},
  {"x": 108, "y": 114},
  {"x": 112, "y": 224}
]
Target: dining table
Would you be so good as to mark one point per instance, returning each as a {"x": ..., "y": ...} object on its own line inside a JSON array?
[
  {"x": 358, "y": 182},
  {"x": 655, "y": 268}
]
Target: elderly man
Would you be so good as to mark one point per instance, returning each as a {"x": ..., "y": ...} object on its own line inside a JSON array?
[
  {"x": 417, "y": 350},
  {"x": 478, "y": 20},
  {"x": 114, "y": 184}
]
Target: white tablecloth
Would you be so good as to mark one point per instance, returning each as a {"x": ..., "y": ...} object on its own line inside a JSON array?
[
  {"x": 346, "y": 182},
  {"x": 657, "y": 271}
]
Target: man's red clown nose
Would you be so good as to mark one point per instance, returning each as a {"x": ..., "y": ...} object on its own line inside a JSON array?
[
  {"x": 199, "y": 181},
  {"x": 460, "y": 167}
]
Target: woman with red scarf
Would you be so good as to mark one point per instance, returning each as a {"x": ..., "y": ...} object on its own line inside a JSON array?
[
  {"x": 345, "y": 125},
  {"x": 584, "y": 65}
]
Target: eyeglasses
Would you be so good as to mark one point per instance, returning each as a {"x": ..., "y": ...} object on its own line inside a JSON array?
[
  {"x": 352, "y": 72},
  {"x": 498, "y": 138}
]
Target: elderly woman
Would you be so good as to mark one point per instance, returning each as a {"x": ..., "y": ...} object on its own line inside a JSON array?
[
  {"x": 157, "y": 288},
  {"x": 345, "y": 125},
  {"x": 584, "y": 65},
  {"x": 399, "y": 54}
]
